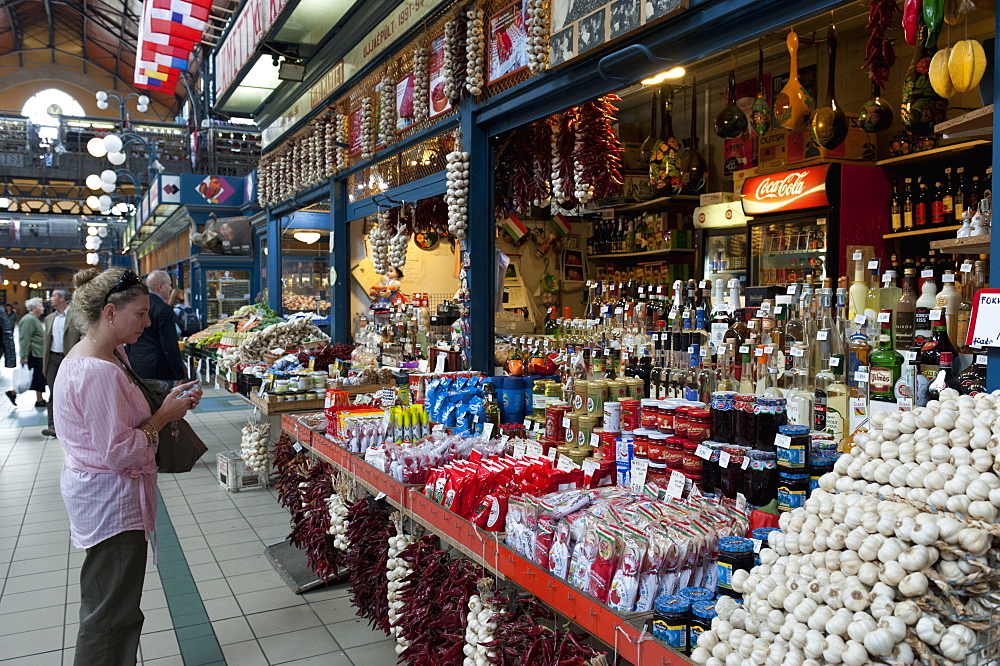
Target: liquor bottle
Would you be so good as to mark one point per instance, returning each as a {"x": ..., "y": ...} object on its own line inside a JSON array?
[
  {"x": 959, "y": 195},
  {"x": 857, "y": 358},
  {"x": 886, "y": 362},
  {"x": 831, "y": 399},
  {"x": 905, "y": 310},
  {"x": 872, "y": 301},
  {"x": 974, "y": 195},
  {"x": 890, "y": 293},
  {"x": 706, "y": 376},
  {"x": 945, "y": 378},
  {"x": 948, "y": 300},
  {"x": 973, "y": 379},
  {"x": 948, "y": 197},
  {"x": 922, "y": 312},
  {"x": 896, "y": 208},
  {"x": 721, "y": 320},
  {"x": 908, "y": 205},
  {"x": 930, "y": 353},
  {"x": 746, "y": 372},
  {"x": 491, "y": 408},
  {"x": 551, "y": 326},
  {"x": 937, "y": 205},
  {"x": 921, "y": 205},
  {"x": 858, "y": 293},
  {"x": 801, "y": 398}
]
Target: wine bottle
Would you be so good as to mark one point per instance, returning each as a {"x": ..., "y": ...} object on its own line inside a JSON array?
[{"x": 886, "y": 362}]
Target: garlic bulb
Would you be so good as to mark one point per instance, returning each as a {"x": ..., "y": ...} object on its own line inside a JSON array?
[
  {"x": 475, "y": 51},
  {"x": 421, "y": 84},
  {"x": 367, "y": 128},
  {"x": 538, "y": 35},
  {"x": 458, "y": 193},
  {"x": 253, "y": 446},
  {"x": 397, "y": 569},
  {"x": 452, "y": 84},
  {"x": 387, "y": 111}
]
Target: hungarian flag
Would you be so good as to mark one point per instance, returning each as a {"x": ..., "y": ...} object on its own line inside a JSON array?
[
  {"x": 515, "y": 228},
  {"x": 196, "y": 9},
  {"x": 560, "y": 224}
]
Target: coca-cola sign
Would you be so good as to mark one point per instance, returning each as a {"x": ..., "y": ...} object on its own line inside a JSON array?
[{"x": 790, "y": 190}]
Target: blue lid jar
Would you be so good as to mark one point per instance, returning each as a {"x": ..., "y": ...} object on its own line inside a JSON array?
[
  {"x": 761, "y": 533},
  {"x": 792, "y": 478},
  {"x": 733, "y": 544},
  {"x": 794, "y": 430},
  {"x": 671, "y": 603},
  {"x": 696, "y": 594},
  {"x": 704, "y": 610}
]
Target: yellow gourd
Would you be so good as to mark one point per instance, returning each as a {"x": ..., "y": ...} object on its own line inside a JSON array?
[
  {"x": 939, "y": 75},
  {"x": 966, "y": 64}
]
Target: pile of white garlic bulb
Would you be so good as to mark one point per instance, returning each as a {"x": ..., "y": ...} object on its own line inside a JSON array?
[
  {"x": 584, "y": 191},
  {"x": 451, "y": 49},
  {"x": 367, "y": 128},
  {"x": 387, "y": 111},
  {"x": 538, "y": 36},
  {"x": 379, "y": 237},
  {"x": 480, "y": 627},
  {"x": 421, "y": 84},
  {"x": 338, "y": 521},
  {"x": 397, "y": 247},
  {"x": 475, "y": 51},
  {"x": 253, "y": 446},
  {"x": 396, "y": 570},
  {"x": 559, "y": 194},
  {"x": 873, "y": 572},
  {"x": 458, "y": 193}
]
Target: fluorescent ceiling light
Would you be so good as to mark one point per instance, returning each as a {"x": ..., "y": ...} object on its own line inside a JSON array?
[
  {"x": 307, "y": 237},
  {"x": 672, "y": 73}
]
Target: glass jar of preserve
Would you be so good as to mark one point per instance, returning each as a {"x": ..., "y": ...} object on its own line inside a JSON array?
[
  {"x": 763, "y": 478},
  {"x": 724, "y": 417},
  {"x": 553, "y": 393},
  {"x": 699, "y": 425},
  {"x": 731, "y": 476},
  {"x": 670, "y": 621},
  {"x": 792, "y": 490},
  {"x": 658, "y": 473},
  {"x": 695, "y": 479},
  {"x": 640, "y": 440},
  {"x": 538, "y": 404},
  {"x": 735, "y": 553},
  {"x": 657, "y": 446},
  {"x": 710, "y": 468},
  {"x": 746, "y": 420},
  {"x": 792, "y": 445},
  {"x": 692, "y": 463},
  {"x": 580, "y": 396},
  {"x": 681, "y": 420},
  {"x": 771, "y": 415},
  {"x": 649, "y": 417},
  {"x": 702, "y": 614},
  {"x": 668, "y": 413},
  {"x": 674, "y": 456}
]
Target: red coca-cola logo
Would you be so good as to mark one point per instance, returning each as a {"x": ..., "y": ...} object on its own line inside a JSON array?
[
  {"x": 789, "y": 186},
  {"x": 791, "y": 190}
]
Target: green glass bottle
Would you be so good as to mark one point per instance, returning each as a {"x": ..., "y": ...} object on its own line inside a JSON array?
[{"x": 886, "y": 363}]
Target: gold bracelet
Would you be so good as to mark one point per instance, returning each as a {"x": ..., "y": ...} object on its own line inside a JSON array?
[{"x": 150, "y": 431}]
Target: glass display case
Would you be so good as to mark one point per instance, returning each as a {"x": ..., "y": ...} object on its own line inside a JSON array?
[
  {"x": 785, "y": 252},
  {"x": 305, "y": 280},
  {"x": 726, "y": 254},
  {"x": 226, "y": 292}
]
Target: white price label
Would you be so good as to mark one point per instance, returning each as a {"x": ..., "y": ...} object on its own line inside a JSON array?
[
  {"x": 948, "y": 277},
  {"x": 769, "y": 349},
  {"x": 618, "y": 311},
  {"x": 860, "y": 319},
  {"x": 605, "y": 309},
  {"x": 642, "y": 290},
  {"x": 823, "y": 334},
  {"x": 759, "y": 351},
  {"x": 778, "y": 309},
  {"x": 861, "y": 376},
  {"x": 520, "y": 448},
  {"x": 675, "y": 487},
  {"x": 566, "y": 464},
  {"x": 690, "y": 349},
  {"x": 565, "y": 423},
  {"x": 744, "y": 349},
  {"x": 741, "y": 503},
  {"x": 534, "y": 450},
  {"x": 798, "y": 351},
  {"x": 905, "y": 404},
  {"x": 761, "y": 313},
  {"x": 439, "y": 363},
  {"x": 704, "y": 352},
  {"x": 752, "y": 323},
  {"x": 686, "y": 315},
  {"x": 782, "y": 441},
  {"x": 791, "y": 289},
  {"x": 745, "y": 462},
  {"x": 883, "y": 317},
  {"x": 640, "y": 468},
  {"x": 656, "y": 337},
  {"x": 589, "y": 468},
  {"x": 966, "y": 267},
  {"x": 910, "y": 355},
  {"x": 504, "y": 439},
  {"x": 724, "y": 458},
  {"x": 595, "y": 440},
  {"x": 936, "y": 315},
  {"x": 834, "y": 361},
  {"x": 539, "y": 426},
  {"x": 487, "y": 430},
  {"x": 857, "y": 256},
  {"x": 551, "y": 455},
  {"x": 703, "y": 452},
  {"x": 757, "y": 545},
  {"x": 528, "y": 424},
  {"x": 927, "y": 273},
  {"x": 981, "y": 359},
  {"x": 298, "y": 447},
  {"x": 873, "y": 265}
]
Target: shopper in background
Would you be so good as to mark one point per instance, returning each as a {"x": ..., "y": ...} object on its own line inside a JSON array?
[
  {"x": 31, "y": 340},
  {"x": 108, "y": 480},
  {"x": 7, "y": 324},
  {"x": 11, "y": 313},
  {"x": 61, "y": 333},
  {"x": 156, "y": 354}
]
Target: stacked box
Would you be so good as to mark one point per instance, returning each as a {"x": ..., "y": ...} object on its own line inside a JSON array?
[{"x": 234, "y": 475}]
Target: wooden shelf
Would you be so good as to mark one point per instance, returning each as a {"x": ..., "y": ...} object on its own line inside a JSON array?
[
  {"x": 970, "y": 245},
  {"x": 649, "y": 253},
  {"x": 974, "y": 123},
  {"x": 930, "y": 155},
  {"x": 923, "y": 232},
  {"x": 659, "y": 204}
]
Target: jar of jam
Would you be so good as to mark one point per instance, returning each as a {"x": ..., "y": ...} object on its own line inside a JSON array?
[
  {"x": 674, "y": 455},
  {"x": 792, "y": 445},
  {"x": 657, "y": 472},
  {"x": 792, "y": 490},
  {"x": 649, "y": 417},
  {"x": 697, "y": 594},
  {"x": 724, "y": 416},
  {"x": 667, "y": 413},
  {"x": 692, "y": 463},
  {"x": 553, "y": 393},
  {"x": 580, "y": 396},
  {"x": 657, "y": 445},
  {"x": 710, "y": 468},
  {"x": 630, "y": 414},
  {"x": 735, "y": 553},
  {"x": 640, "y": 439},
  {"x": 585, "y": 428},
  {"x": 771, "y": 415},
  {"x": 702, "y": 614},
  {"x": 731, "y": 472},
  {"x": 699, "y": 425},
  {"x": 681, "y": 420},
  {"x": 746, "y": 420},
  {"x": 670, "y": 621},
  {"x": 538, "y": 403},
  {"x": 763, "y": 478},
  {"x": 695, "y": 478}
]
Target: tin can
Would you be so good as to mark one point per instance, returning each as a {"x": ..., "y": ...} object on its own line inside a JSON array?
[
  {"x": 554, "y": 414},
  {"x": 612, "y": 416},
  {"x": 580, "y": 396},
  {"x": 630, "y": 414},
  {"x": 571, "y": 432}
]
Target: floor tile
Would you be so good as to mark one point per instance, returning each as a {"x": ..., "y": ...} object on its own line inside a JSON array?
[
  {"x": 39, "y": 581},
  {"x": 355, "y": 632},
  {"x": 160, "y": 644},
  {"x": 214, "y": 589},
  {"x": 30, "y": 642},
  {"x": 298, "y": 645},
  {"x": 41, "y": 618},
  {"x": 265, "y": 600},
  {"x": 165, "y": 661},
  {"x": 13, "y": 603},
  {"x": 202, "y": 556},
  {"x": 247, "y": 653},
  {"x": 334, "y": 610},
  {"x": 331, "y": 659},
  {"x": 203, "y": 572},
  {"x": 270, "y": 623},
  {"x": 380, "y": 653},
  {"x": 223, "y": 608},
  {"x": 236, "y": 551},
  {"x": 233, "y": 630},
  {"x": 51, "y": 658}
]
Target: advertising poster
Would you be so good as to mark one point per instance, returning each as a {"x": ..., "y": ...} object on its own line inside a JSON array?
[
  {"x": 508, "y": 41},
  {"x": 439, "y": 102},
  {"x": 404, "y": 103},
  {"x": 354, "y": 131}
]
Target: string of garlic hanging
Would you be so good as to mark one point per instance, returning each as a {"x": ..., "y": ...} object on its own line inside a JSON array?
[{"x": 475, "y": 51}]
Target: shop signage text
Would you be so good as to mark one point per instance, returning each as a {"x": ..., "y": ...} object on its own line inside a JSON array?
[
  {"x": 791, "y": 190},
  {"x": 248, "y": 28}
]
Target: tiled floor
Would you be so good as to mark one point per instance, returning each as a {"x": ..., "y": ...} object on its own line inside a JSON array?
[{"x": 214, "y": 590}]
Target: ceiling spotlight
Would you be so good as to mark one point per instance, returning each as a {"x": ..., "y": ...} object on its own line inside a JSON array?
[
  {"x": 24, "y": 283},
  {"x": 672, "y": 73},
  {"x": 96, "y": 147},
  {"x": 94, "y": 181},
  {"x": 116, "y": 158},
  {"x": 112, "y": 143}
]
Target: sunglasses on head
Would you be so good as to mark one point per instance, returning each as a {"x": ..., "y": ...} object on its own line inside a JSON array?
[{"x": 127, "y": 280}]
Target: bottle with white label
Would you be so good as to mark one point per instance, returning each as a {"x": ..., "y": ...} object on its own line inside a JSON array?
[
  {"x": 858, "y": 292},
  {"x": 830, "y": 399},
  {"x": 922, "y": 312},
  {"x": 949, "y": 300},
  {"x": 720, "y": 316},
  {"x": 800, "y": 398}
]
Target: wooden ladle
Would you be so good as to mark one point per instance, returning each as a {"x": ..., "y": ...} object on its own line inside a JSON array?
[
  {"x": 793, "y": 106},
  {"x": 829, "y": 124}
]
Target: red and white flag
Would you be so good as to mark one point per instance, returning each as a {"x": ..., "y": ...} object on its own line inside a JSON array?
[{"x": 196, "y": 9}]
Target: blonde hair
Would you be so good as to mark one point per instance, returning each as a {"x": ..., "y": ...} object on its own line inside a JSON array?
[{"x": 92, "y": 286}]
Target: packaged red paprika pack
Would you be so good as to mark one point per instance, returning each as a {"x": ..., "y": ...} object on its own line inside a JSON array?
[
  {"x": 603, "y": 566},
  {"x": 624, "y": 587}
]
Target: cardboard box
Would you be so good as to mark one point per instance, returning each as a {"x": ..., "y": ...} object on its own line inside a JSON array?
[
  {"x": 771, "y": 151},
  {"x": 711, "y": 198},
  {"x": 857, "y": 147},
  {"x": 234, "y": 475},
  {"x": 741, "y": 176}
]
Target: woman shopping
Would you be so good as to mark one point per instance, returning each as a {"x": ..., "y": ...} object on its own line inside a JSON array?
[
  {"x": 109, "y": 477},
  {"x": 31, "y": 340}
]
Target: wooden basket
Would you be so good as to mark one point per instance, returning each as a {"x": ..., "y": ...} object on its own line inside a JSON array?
[
  {"x": 269, "y": 358},
  {"x": 314, "y": 344}
]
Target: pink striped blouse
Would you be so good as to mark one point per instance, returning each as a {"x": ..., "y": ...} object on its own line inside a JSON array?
[{"x": 108, "y": 480}]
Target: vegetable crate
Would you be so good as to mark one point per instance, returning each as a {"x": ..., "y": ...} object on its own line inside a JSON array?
[{"x": 234, "y": 475}]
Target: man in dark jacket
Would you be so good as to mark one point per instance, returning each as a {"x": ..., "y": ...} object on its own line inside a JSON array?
[
  {"x": 7, "y": 323},
  {"x": 156, "y": 354}
]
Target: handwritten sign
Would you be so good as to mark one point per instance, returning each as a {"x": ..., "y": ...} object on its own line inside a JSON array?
[{"x": 984, "y": 329}]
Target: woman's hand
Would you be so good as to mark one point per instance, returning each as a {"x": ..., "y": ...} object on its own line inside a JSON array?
[{"x": 175, "y": 407}]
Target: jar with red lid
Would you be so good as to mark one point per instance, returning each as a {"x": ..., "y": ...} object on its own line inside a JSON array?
[
  {"x": 692, "y": 463},
  {"x": 648, "y": 414},
  {"x": 657, "y": 446},
  {"x": 640, "y": 442},
  {"x": 681, "y": 420},
  {"x": 630, "y": 414},
  {"x": 695, "y": 478},
  {"x": 699, "y": 425},
  {"x": 674, "y": 455},
  {"x": 667, "y": 410},
  {"x": 657, "y": 472}
]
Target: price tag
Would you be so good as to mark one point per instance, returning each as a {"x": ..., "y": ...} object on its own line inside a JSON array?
[
  {"x": 873, "y": 265},
  {"x": 883, "y": 317},
  {"x": 783, "y": 441},
  {"x": 798, "y": 351},
  {"x": 438, "y": 427},
  {"x": 298, "y": 447},
  {"x": 539, "y": 426},
  {"x": 741, "y": 503},
  {"x": 980, "y": 359},
  {"x": 744, "y": 349},
  {"x": 759, "y": 351},
  {"x": 595, "y": 440},
  {"x": 605, "y": 309},
  {"x": 905, "y": 404},
  {"x": 857, "y": 256},
  {"x": 778, "y": 309},
  {"x": 565, "y": 423},
  {"x": 534, "y": 450},
  {"x": 528, "y": 424},
  {"x": 910, "y": 355},
  {"x": 385, "y": 420},
  {"x": 551, "y": 455},
  {"x": 439, "y": 363},
  {"x": 823, "y": 334},
  {"x": 589, "y": 468},
  {"x": 675, "y": 487},
  {"x": 686, "y": 315},
  {"x": 927, "y": 273},
  {"x": 761, "y": 313},
  {"x": 609, "y": 351},
  {"x": 948, "y": 277},
  {"x": 861, "y": 376},
  {"x": 566, "y": 464},
  {"x": 487, "y": 430},
  {"x": 690, "y": 349},
  {"x": 656, "y": 337},
  {"x": 936, "y": 315},
  {"x": 745, "y": 463},
  {"x": 769, "y": 349},
  {"x": 704, "y": 352},
  {"x": 724, "y": 459},
  {"x": 503, "y": 440},
  {"x": 703, "y": 452},
  {"x": 834, "y": 361},
  {"x": 860, "y": 319},
  {"x": 520, "y": 448},
  {"x": 966, "y": 267},
  {"x": 618, "y": 311},
  {"x": 791, "y": 289},
  {"x": 642, "y": 290},
  {"x": 752, "y": 323},
  {"x": 757, "y": 545},
  {"x": 639, "y": 470}
]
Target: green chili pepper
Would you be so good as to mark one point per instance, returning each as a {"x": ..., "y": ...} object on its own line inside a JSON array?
[{"x": 933, "y": 18}]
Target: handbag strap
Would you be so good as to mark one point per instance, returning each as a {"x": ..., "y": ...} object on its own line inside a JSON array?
[{"x": 154, "y": 403}]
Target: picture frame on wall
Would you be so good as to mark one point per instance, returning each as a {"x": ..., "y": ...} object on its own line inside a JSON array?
[
  {"x": 404, "y": 102},
  {"x": 508, "y": 41},
  {"x": 439, "y": 102},
  {"x": 574, "y": 267}
]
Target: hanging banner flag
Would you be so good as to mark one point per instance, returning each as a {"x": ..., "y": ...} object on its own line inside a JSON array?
[
  {"x": 515, "y": 228},
  {"x": 174, "y": 28},
  {"x": 149, "y": 55},
  {"x": 560, "y": 224},
  {"x": 168, "y": 32},
  {"x": 195, "y": 9}
]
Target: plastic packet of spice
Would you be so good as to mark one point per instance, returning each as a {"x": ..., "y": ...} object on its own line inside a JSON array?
[
  {"x": 583, "y": 557},
  {"x": 649, "y": 573},
  {"x": 625, "y": 583},
  {"x": 603, "y": 566},
  {"x": 559, "y": 554}
]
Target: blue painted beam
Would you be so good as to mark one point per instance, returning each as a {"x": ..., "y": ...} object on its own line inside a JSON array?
[
  {"x": 428, "y": 186},
  {"x": 341, "y": 317},
  {"x": 480, "y": 241},
  {"x": 315, "y": 194},
  {"x": 993, "y": 353},
  {"x": 273, "y": 262}
]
